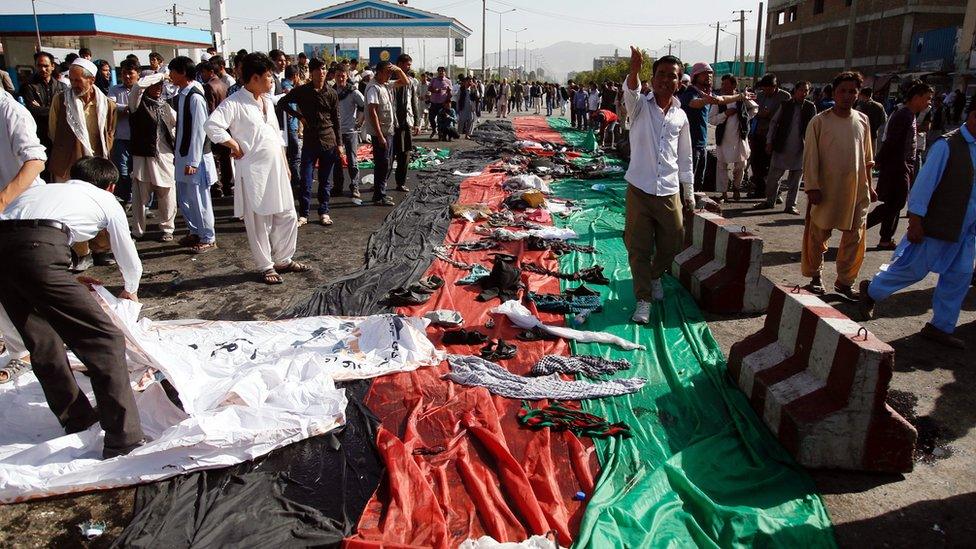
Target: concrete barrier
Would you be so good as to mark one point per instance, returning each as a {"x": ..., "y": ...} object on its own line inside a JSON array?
[
  {"x": 722, "y": 265},
  {"x": 819, "y": 380}
]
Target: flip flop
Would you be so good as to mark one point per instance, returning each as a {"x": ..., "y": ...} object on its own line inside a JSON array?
[
  {"x": 406, "y": 297},
  {"x": 293, "y": 267},
  {"x": 271, "y": 277},
  {"x": 463, "y": 337}
]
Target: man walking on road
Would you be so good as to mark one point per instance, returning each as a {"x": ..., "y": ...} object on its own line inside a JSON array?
[
  {"x": 941, "y": 234},
  {"x": 660, "y": 178}
]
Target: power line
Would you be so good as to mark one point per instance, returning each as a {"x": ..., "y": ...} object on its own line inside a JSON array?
[{"x": 618, "y": 24}]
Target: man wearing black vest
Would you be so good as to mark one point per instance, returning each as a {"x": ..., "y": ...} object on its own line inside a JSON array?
[
  {"x": 152, "y": 121},
  {"x": 194, "y": 163},
  {"x": 784, "y": 142},
  {"x": 407, "y": 123},
  {"x": 941, "y": 234}
]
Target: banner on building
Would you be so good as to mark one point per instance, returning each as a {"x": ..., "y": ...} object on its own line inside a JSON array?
[
  {"x": 459, "y": 47},
  {"x": 324, "y": 49}
]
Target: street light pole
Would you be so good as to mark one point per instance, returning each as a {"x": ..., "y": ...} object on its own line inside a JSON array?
[
  {"x": 251, "y": 28},
  {"x": 517, "y": 42},
  {"x": 500, "y": 14},
  {"x": 526, "y": 56},
  {"x": 267, "y": 30}
]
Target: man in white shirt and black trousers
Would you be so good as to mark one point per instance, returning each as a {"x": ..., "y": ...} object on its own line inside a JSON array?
[
  {"x": 51, "y": 309},
  {"x": 660, "y": 176}
]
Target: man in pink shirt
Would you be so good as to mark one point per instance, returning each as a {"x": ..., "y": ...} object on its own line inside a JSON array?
[{"x": 440, "y": 95}]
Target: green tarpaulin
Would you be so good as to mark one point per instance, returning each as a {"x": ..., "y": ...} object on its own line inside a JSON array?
[
  {"x": 701, "y": 469},
  {"x": 426, "y": 158}
]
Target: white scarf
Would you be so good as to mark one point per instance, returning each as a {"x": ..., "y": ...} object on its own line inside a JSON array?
[{"x": 75, "y": 116}]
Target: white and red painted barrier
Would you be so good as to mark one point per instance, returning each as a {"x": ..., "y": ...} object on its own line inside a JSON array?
[
  {"x": 722, "y": 265},
  {"x": 819, "y": 380}
]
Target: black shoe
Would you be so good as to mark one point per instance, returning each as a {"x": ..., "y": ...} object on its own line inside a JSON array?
[
  {"x": 82, "y": 264},
  {"x": 847, "y": 292},
  {"x": 109, "y": 453},
  {"x": 815, "y": 286},
  {"x": 103, "y": 259},
  {"x": 866, "y": 306},
  {"x": 932, "y": 333}
]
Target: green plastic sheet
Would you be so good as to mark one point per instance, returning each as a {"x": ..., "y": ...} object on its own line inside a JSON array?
[
  {"x": 701, "y": 469},
  {"x": 425, "y": 159}
]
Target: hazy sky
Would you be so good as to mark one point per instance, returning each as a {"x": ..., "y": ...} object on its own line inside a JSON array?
[{"x": 647, "y": 23}]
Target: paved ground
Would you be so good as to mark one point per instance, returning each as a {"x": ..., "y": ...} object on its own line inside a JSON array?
[{"x": 932, "y": 506}]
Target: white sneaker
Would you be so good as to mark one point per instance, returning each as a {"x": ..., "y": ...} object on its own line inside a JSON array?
[
  {"x": 657, "y": 290},
  {"x": 642, "y": 313},
  {"x": 325, "y": 219}
]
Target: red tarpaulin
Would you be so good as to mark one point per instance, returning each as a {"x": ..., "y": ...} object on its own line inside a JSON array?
[{"x": 458, "y": 464}]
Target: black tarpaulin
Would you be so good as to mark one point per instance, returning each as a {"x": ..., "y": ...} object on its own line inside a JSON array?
[{"x": 313, "y": 492}]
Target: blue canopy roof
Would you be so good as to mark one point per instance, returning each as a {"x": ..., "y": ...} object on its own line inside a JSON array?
[
  {"x": 127, "y": 31},
  {"x": 377, "y": 19}
]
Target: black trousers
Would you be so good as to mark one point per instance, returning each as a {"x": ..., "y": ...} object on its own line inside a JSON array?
[
  {"x": 402, "y": 145},
  {"x": 51, "y": 309},
  {"x": 225, "y": 170},
  {"x": 887, "y": 214},
  {"x": 759, "y": 162}
]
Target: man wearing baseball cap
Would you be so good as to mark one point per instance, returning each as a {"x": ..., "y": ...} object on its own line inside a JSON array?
[{"x": 696, "y": 100}]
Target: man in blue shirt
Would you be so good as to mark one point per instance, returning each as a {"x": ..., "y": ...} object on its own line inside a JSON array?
[
  {"x": 941, "y": 234},
  {"x": 194, "y": 162},
  {"x": 695, "y": 101}
]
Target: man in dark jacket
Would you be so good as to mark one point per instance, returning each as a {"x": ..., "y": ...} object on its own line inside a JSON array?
[
  {"x": 784, "y": 144},
  {"x": 895, "y": 161},
  {"x": 874, "y": 110},
  {"x": 769, "y": 98},
  {"x": 38, "y": 94},
  {"x": 941, "y": 235}
]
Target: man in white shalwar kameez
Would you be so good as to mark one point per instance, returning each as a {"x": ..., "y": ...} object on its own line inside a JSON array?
[
  {"x": 246, "y": 123},
  {"x": 731, "y": 144}
]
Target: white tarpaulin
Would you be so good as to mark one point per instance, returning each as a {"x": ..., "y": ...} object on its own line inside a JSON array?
[{"x": 246, "y": 388}]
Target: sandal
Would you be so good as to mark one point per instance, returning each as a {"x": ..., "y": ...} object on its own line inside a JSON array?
[
  {"x": 427, "y": 285},
  {"x": 815, "y": 287},
  {"x": 293, "y": 267},
  {"x": 406, "y": 297},
  {"x": 271, "y": 277},
  {"x": 499, "y": 350},
  {"x": 202, "y": 248},
  {"x": 14, "y": 369},
  {"x": 463, "y": 337},
  {"x": 189, "y": 240}
]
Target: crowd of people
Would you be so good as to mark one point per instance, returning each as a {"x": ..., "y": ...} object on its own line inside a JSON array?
[{"x": 834, "y": 143}]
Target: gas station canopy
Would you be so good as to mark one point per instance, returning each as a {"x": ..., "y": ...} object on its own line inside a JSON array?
[
  {"x": 67, "y": 30},
  {"x": 377, "y": 19}
]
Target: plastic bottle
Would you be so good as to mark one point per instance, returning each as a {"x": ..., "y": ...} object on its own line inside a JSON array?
[{"x": 599, "y": 187}]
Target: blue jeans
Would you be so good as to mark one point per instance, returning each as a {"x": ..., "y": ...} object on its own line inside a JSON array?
[
  {"x": 698, "y": 161},
  {"x": 292, "y": 153},
  {"x": 197, "y": 209},
  {"x": 382, "y": 158},
  {"x": 313, "y": 151},
  {"x": 123, "y": 161},
  {"x": 350, "y": 143}
]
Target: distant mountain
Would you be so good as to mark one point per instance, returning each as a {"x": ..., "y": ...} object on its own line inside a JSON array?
[{"x": 565, "y": 57}]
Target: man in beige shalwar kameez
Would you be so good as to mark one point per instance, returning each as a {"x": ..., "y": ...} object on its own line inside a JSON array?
[{"x": 837, "y": 162}]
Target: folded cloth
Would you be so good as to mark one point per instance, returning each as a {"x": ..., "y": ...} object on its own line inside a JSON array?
[
  {"x": 445, "y": 317},
  {"x": 588, "y": 365},
  {"x": 561, "y": 418},
  {"x": 478, "y": 372},
  {"x": 471, "y": 212}
]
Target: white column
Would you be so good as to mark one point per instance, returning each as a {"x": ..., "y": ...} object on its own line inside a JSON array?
[{"x": 465, "y": 56}]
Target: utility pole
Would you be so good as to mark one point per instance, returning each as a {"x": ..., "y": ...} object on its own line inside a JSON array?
[
  {"x": 742, "y": 40},
  {"x": 669, "y": 46},
  {"x": 849, "y": 46},
  {"x": 484, "y": 29},
  {"x": 175, "y": 14},
  {"x": 755, "y": 60},
  {"x": 718, "y": 28},
  {"x": 252, "y": 29}
]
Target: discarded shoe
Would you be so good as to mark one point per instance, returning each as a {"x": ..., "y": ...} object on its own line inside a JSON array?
[
  {"x": 407, "y": 297},
  {"x": 499, "y": 350},
  {"x": 463, "y": 337}
]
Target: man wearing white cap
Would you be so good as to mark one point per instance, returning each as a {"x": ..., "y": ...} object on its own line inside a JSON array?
[
  {"x": 82, "y": 123},
  {"x": 695, "y": 100},
  {"x": 153, "y": 123}
]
